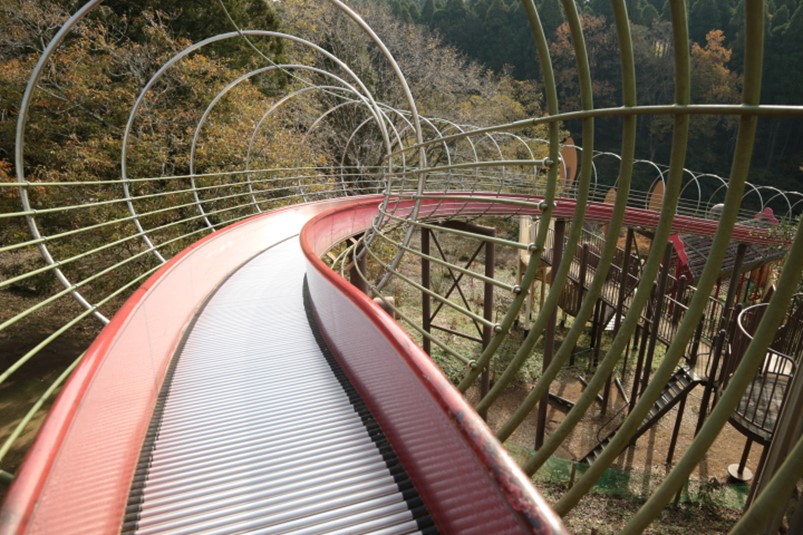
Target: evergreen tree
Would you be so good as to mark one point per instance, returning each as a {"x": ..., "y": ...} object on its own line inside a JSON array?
[
  {"x": 496, "y": 26},
  {"x": 780, "y": 21},
  {"x": 704, "y": 16},
  {"x": 428, "y": 11},
  {"x": 551, "y": 15},
  {"x": 649, "y": 15}
]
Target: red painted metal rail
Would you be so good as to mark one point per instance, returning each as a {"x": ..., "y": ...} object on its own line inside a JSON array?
[
  {"x": 77, "y": 474},
  {"x": 467, "y": 482},
  {"x": 505, "y": 204}
]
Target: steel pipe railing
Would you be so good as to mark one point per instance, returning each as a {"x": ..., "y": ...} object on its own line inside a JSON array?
[{"x": 99, "y": 237}]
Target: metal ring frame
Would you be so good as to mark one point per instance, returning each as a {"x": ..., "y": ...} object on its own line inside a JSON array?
[{"x": 471, "y": 173}]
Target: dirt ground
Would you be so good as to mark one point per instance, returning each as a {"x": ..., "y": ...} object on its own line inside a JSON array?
[
  {"x": 650, "y": 451},
  {"x": 711, "y": 499}
]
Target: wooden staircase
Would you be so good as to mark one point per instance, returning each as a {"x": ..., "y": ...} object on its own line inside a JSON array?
[{"x": 680, "y": 384}]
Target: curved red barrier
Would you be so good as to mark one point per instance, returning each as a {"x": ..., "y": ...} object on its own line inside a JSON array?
[
  {"x": 500, "y": 204},
  {"x": 464, "y": 476},
  {"x": 76, "y": 476},
  {"x": 460, "y": 470}
]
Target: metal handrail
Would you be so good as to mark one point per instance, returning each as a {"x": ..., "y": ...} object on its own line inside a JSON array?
[{"x": 424, "y": 164}]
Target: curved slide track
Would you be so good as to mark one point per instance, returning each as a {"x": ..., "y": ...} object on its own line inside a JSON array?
[
  {"x": 211, "y": 404},
  {"x": 248, "y": 387}
]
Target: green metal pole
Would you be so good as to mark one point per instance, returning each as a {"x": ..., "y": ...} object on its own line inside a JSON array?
[
  {"x": 740, "y": 166},
  {"x": 775, "y": 495},
  {"x": 752, "y": 360},
  {"x": 721, "y": 241},
  {"x": 6, "y": 477},
  {"x": 525, "y": 349},
  {"x": 609, "y": 362},
  {"x": 549, "y": 201}
]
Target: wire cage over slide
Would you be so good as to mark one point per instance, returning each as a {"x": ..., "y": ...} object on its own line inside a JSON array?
[{"x": 144, "y": 161}]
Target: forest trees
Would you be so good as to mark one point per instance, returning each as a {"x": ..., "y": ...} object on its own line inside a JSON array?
[
  {"x": 80, "y": 108},
  {"x": 447, "y": 85},
  {"x": 80, "y": 111},
  {"x": 713, "y": 83},
  {"x": 124, "y": 42},
  {"x": 717, "y": 67}
]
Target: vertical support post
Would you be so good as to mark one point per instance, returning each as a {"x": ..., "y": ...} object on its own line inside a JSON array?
[
  {"x": 660, "y": 295},
  {"x": 710, "y": 384},
  {"x": 592, "y": 336},
  {"x": 357, "y": 269},
  {"x": 730, "y": 298},
  {"x": 600, "y": 328},
  {"x": 426, "y": 300},
  {"x": 487, "y": 314},
  {"x": 678, "y": 306},
  {"x": 620, "y": 303},
  {"x": 732, "y": 358},
  {"x": 582, "y": 277},
  {"x": 549, "y": 334},
  {"x": 542, "y": 296},
  {"x": 642, "y": 348},
  {"x": 712, "y": 314},
  {"x": 742, "y": 279},
  {"x": 745, "y": 454},
  {"x": 695, "y": 345},
  {"x": 670, "y": 455},
  {"x": 606, "y": 391},
  {"x": 639, "y": 333}
]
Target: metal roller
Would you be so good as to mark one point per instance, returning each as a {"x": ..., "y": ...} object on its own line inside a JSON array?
[{"x": 259, "y": 431}]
